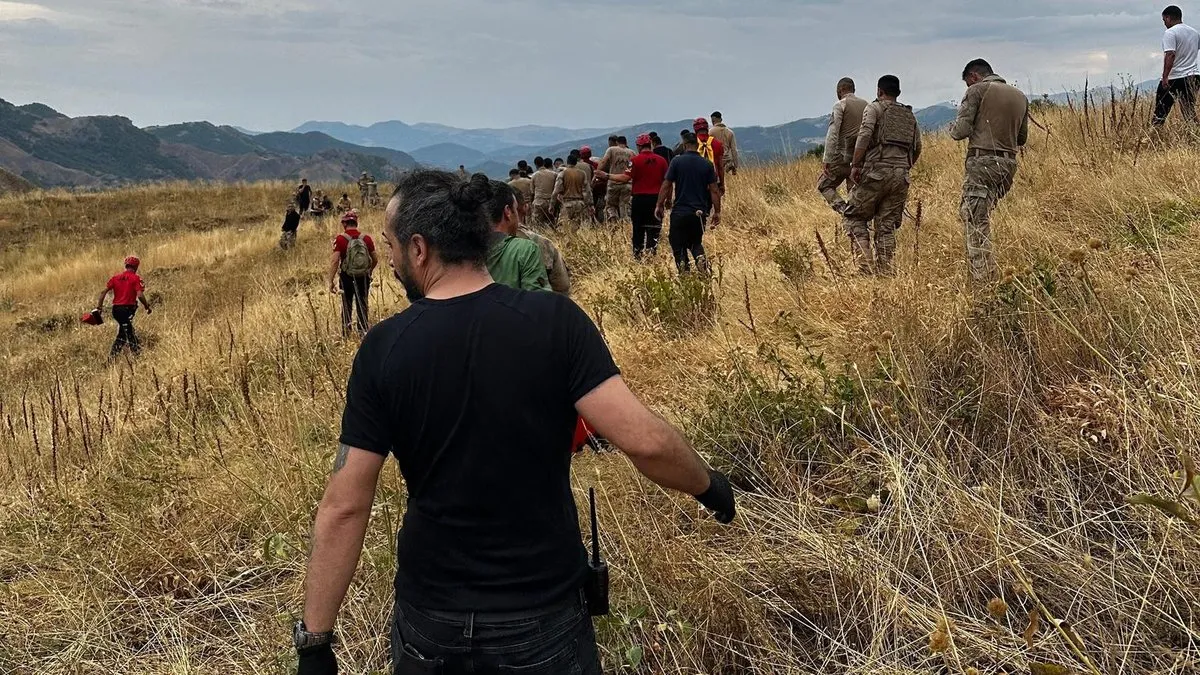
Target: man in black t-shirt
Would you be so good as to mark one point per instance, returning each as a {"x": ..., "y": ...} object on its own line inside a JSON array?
[
  {"x": 490, "y": 561},
  {"x": 303, "y": 196},
  {"x": 693, "y": 181}
]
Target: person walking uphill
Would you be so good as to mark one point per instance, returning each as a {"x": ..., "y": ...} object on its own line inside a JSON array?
[
  {"x": 693, "y": 181},
  {"x": 303, "y": 196},
  {"x": 128, "y": 290},
  {"x": 619, "y": 196},
  {"x": 1181, "y": 68},
  {"x": 889, "y": 143},
  {"x": 646, "y": 173},
  {"x": 839, "y": 143},
  {"x": 490, "y": 564},
  {"x": 291, "y": 223},
  {"x": 353, "y": 261},
  {"x": 728, "y": 140},
  {"x": 513, "y": 261},
  {"x": 994, "y": 116}
]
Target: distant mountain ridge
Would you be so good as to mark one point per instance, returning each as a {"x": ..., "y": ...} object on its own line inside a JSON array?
[
  {"x": 409, "y": 137},
  {"x": 43, "y": 147}
]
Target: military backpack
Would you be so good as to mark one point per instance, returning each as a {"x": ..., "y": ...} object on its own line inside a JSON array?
[{"x": 357, "y": 260}]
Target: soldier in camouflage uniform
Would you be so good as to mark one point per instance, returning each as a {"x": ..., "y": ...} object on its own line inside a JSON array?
[
  {"x": 573, "y": 190},
  {"x": 373, "y": 192},
  {"x": 839, "y": 143},
  {"x": 994, "y": 115},
  {"x": 889, "y": 143},
  {"x": 616, "y": 161},
  {"x": 362, "y": 190},
  {"x": 543, "y": 193}
]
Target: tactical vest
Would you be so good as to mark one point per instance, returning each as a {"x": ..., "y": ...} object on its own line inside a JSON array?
[
  {"x": 898, "y": 126},
  {"x": 852, "y": 115}
]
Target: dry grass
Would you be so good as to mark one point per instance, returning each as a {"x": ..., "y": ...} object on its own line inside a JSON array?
[{"x": 923, "y": 468}]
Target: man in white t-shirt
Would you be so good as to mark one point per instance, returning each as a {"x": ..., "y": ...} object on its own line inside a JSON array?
[{"x": 1181, "y": 72}]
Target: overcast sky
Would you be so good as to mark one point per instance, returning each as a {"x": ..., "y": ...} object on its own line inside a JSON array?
[{"x": 273, "y": 64}]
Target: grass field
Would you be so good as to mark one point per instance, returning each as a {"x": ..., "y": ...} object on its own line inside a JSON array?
[{"x": 933, "y": 480}]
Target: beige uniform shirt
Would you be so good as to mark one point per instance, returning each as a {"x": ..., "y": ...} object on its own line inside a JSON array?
[
  {"x": 524, "y": 186},
  {"x": 556, "y": 267},
  {"x": 616, "y": 159},
  {"x": 572, "y": 184},
  {"x": 878, "y": 154},
  {"x": 729, "y": 140},
  {"x": 843, "y": 130},
  {"x": 543, "y": 185},
  {"x": 994, "y": 115}
]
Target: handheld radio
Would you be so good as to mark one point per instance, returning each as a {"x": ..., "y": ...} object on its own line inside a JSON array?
[{"x": 596, "y": 590}]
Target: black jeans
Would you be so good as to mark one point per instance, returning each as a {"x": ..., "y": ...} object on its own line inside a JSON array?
[
  {"x": 1183, "y": 89},
  {"x": 646, "y": 228},
  {"x": 687, "y": 236},
  {"x": 553, "y": 641},
  {"x": 123, "y": 315},
  {"x": 355, "y": 293}
]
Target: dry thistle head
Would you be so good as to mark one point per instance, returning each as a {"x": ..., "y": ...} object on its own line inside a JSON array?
[
  {"x": 1095, "y": 244},
  {"x": 939, "y": 641},
  {"x": 874, "y": 504},
  {"x": 887, "y": 335},
  {"x": 1077, "y": 256},
  {"x": 1080, "y": 274},
  {"x": 998, "y": 608}
]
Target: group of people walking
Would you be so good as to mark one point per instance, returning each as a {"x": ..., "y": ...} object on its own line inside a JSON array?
[
  {"x": 639, "y": 185},
  {"x": 873, "y": 146}
]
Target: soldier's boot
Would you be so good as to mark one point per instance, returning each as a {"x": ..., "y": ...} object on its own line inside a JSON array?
[
  {"x": 883, "y": 260},
  {"x": 862, "y": 255}
]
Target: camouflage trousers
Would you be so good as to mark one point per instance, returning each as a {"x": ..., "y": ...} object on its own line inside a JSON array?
[
  {"x": 287, "y": 239},
  {"x": 576, "y": 212},
  {"x": 617, "y": 201},
  {"x": 987, "y": 179},
  {"x": 543, "y": 213},
  {"x": 830, "y": 181},
  {"x": 880, "y": 197}
]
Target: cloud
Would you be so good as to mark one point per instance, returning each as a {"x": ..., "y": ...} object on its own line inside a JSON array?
[
  {"x": 23, "y": 11},
  {"x": 277, "y": 63}
]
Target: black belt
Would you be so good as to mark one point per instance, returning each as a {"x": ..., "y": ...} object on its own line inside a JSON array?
[{"x": 981, "y": 152}]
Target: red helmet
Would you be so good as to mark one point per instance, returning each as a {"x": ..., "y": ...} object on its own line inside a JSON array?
[
  {"x": 350, "y": 217},
  {"x": 700, "y": 123},
  {"x": 133, "y": 262},
  {"x": 644, "y": 139}
]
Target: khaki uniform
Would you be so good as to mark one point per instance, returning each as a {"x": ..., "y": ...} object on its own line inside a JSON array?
[
  {"x": 892, "y": 140},
  {"x": 839, "y": 148},
  {"x": 575, "y": 191},
  {"x": 995, "y": 117},
  {"x": 556, "y": 267},
  {"x": 543, "y": 197},
  {"x": 620, "y": 195},
  {"x": 524, "y": 188},
  {"x": 363, "y": 184},
  {"x": 729, "y": 140}
]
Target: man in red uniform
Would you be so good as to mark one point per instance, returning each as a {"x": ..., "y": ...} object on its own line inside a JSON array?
[
  {"x": 128, "y": 290},
  {"x": 352, "y": 262},
  {"x": 646, "y": 171},
  {"x": 711, "y": 149}
]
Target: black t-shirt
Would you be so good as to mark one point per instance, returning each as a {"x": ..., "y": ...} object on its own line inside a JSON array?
[
  {"x": 475, "y": 396},
  {"x": 291, "y": 221},
  {"x": 664, "y": 152},
  {"x": 692, "y": 174},
  {"x": 304, "y": 193}
]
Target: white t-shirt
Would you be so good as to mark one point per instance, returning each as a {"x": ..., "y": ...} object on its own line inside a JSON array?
[{"x": 1185, "y": 42}]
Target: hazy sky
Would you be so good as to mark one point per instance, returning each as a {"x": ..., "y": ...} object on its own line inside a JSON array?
[{"x": 273, "y": 64}]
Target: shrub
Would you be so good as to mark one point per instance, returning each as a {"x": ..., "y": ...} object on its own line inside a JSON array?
[
  {"x": 679, "y": 303},
  {"x": 795, "y": 260}
]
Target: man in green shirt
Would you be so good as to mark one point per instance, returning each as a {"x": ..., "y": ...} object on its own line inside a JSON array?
[{"x": 512, "y": 261}]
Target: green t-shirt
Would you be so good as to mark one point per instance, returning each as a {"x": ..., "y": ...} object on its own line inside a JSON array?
[{"x": 517, "y": 263}]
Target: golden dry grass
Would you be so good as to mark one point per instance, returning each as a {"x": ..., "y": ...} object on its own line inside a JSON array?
[{"x": 923, "y": 467}]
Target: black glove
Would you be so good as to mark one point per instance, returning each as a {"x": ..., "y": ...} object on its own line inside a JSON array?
[
  {"x": 719, "y": 498},
  {"x": 317, "y": 661}
]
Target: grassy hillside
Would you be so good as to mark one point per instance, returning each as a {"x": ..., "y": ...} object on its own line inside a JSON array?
[{"x": 922, "y": 468}]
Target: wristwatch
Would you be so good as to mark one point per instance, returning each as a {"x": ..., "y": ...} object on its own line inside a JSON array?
[{"x": 302, "y": 639}]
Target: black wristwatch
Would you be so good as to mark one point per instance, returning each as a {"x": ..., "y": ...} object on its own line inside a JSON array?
[{"x": 302, "y": 639}]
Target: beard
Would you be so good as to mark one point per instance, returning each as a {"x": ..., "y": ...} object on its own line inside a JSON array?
[{"x": 411, "y": 290}]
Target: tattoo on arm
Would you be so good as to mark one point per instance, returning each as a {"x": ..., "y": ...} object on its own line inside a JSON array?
[{"x": 343, "y": 454}]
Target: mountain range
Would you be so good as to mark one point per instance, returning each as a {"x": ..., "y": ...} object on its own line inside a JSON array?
[
  {"x": 43, "y": 147},
  {"x": 484, "y": 150},
  {"x": 40, "y": 147}
]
